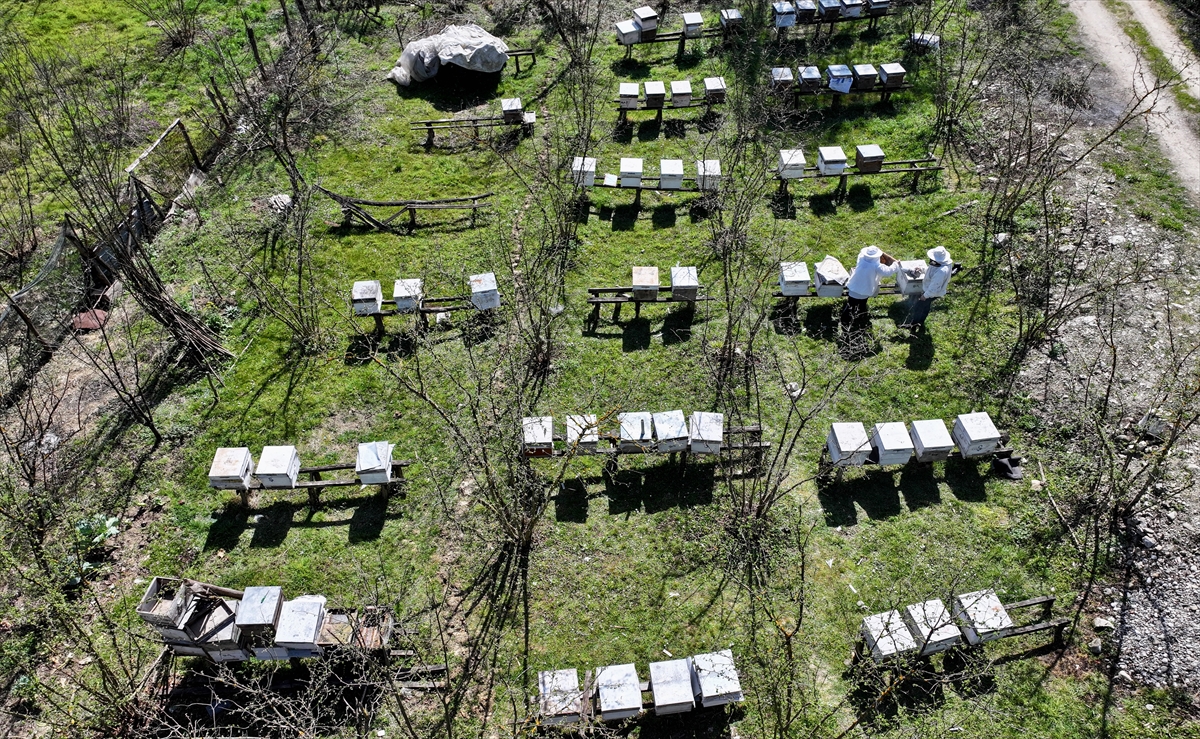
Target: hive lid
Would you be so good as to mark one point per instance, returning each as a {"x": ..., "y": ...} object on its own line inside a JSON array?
[
  {"x": 229, "y": 462},
  {"x": 407, "y": 288},
  {"x": 693, "y": 19},
  {"x": 781, "y": 74},
  {"x": 559, "y": 692},
  {"x": 619, "y": 688},
  {"x": 365, "y": 290},
  {"x": 892, "y": 68},
  {"x": 582, "y": 429},
  {"x": 483, "y": 283},
  {"x": 870, "y": 151},
  {"x": 830, "y": 270},
  {"x": 626, "y": 27},
  {"x": 260, "y": 606},
  {"x": 852, "y": 2},
  {"x": 978, "y": 426},
  {"x": 731, "y": 14},
  {"x": 670, "y": 167},
  {"x": 794, "y": 271},
  {"x": 706, "y": 426},
  {"x": 631, "y": 165},
  {"x": 511, "y": 104},
  {"x": 684, "y": 276},
  {"x": 806, "y": 5},
  {"x": 276, "y": 460},
  {"x": 584, "y": 164},
  {"x": 810, "y": 73},
  {"x": 714, "y": 83},
  {"x": 831, "y": 154},
  {"x": 716, "y": 674},
  {"x": 681, "y": 87},
  {"x": 864, "y": 70},
  {"x": 636, "y": 426},
  {"x": 629, "y": 89},
  {"x": 373, "y": 456},
  {"x": 300, "y": 620},
  {"x": 538, "y": 429},
  {"x": 850, "y": 437},
  {"x": 983, "y": 610},
  {"x": 671, "y": 682},
  {"x": 783, "y": 8},
  {"x": 791, "y": 158},
  {"x": 838, "y": 70},
  {"x": 670, "y": 425},
  {"x": 655, "y": 87},
  {"x": 889, "y": 633},
  {"x": 708, "y": 167},
  {"x": 645, "y": 13},
  {"x": 893, "y": 436},
  {"x": 930, "y": 622},
  {"x": 645, "y": 276}
]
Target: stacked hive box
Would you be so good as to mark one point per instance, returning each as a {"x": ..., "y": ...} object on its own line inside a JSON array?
[
  {"x": 538, "y": 436},
  {"x": 627, "y": 95},
  {"x": 637, "y": 432},
  {"x": 366, "y": 297},
  {"x": 708, "y": 174},
  {"x": 671, "y": 686},
  {"x": 976, "y": 435},
  {"x": 810, "y": 78},
  {"x": 887, "y": 636},
  {"x": 299, "y": 625},
  {"x": 715, "y": 681},
  {"x": 618, "y": 692},
  {"x": 831, "y": 278},
  {"x": 559, "y": 696},
  {"x": 910, "y": 278},
  {"x": 484, "y": 293},
  {"x": 583, "y": 432},
  {"x": 627, "y": 32},
  {"x": 781, "y": 79},
  {"x": 670, "y": 429},
  {"x": 681, "y": 93},
  {"x": 214, "y": 629},
  {"x": 793, "y": 279},
  {"x": 685, "y": 284},
  {"x": 931, "y": 440},
  {"x": 693, "y": 25},
  {"x": 852, "y": 8},
  {"x": 232, "y": 468},
  {"x": 877, "y": 7},
  {"x": 892, "y": 443},
  {"x": 791, "y": 164},
  {"x": 407, "y": 294},
  {"x": 166, "y": 606},
  {"x": 865, "y": 76},
  {"x": 714, "y": 90},
  {"x": 931, "y": 626},
  {"x": 783, "y": 14},
  {"x": 670, "y": 174},
  {"x": 981, "y": 616},
  {"x": 645, "y": 283},
  {"x": 706, "y": 431},
  {"x": 656, "y": 94},
  {"x": 831, "y": 160},
  {"x": 806, "y": 11},
  {"x": 278, "y": 467},
  {"x": 646, "y": 21},
  {"x": 829, "y": 10},
  {"x": 374, "y": 463},
  {"x": 848, "y": 444},
  {"x": 868, "y": 158},
  {"x": 583, "y": 171},
  {"x": 841, "y": 79},
  {"x": 631, "y": 172},
  {"x": 731, "y": 19},
  {"x": 892, "y": 75},
  {"x": 256, "y": 619},
  {"x": 511, "y": 110}
]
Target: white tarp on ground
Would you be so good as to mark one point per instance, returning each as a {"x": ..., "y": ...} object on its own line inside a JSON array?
[{"x": 467, "y": 46}]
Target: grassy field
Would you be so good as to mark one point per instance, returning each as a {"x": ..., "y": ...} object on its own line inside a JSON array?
[{"x": 635, "y": 566}]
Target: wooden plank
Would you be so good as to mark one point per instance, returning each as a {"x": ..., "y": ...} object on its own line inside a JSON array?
[
  {"x": 1041, "y": 600},
  {"x": 1035, "y": 628}
]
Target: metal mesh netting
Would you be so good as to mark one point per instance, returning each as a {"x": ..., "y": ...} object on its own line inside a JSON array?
[{"x": 50, "y": 298}]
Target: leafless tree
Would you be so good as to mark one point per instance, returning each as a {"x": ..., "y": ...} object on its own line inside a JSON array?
[{"x": 179, "y": 20}]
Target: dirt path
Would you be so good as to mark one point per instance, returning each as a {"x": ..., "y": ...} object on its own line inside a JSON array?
[
  {"x": 1162, "y": 34},
  {"x": 1110, "y": 46}
]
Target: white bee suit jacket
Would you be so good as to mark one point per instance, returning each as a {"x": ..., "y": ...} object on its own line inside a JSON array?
[{"x": 864, "y": 280}]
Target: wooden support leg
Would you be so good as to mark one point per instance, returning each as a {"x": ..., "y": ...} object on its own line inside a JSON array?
[
  {"x": 424, "y": 321},
  {"x": 682, "y": 41},
  {"x": 637, "y": 199},
  {"x": 637, "y": 309},
  {"x": 594, "y": 320},
  {"x": 916, "y": 182},
  {"x": 517, "y": 59},
  {"x": 841, "y": 188},
  {"x": 245, "y": 495},
  {"x": 428, "y": 137},
  {"x": 658, "y": 116},
  {"x": 622, "y": 116},
  {"x": 412, "y": 219},
  {"x": 629, "y": 51},
  {"x": 474, "y": 210},
  {"x": 314, "y": 493},
  {"x": 616, "y": 312},
  {"x": 378, "y": 325}
]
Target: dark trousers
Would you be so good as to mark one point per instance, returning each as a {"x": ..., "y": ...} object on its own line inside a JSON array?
[
  {"x": 855, "y": 314},
  {"x": 918, "y": 310}
]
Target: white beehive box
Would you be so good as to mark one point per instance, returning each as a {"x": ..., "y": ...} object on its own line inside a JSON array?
[
  {"x": 583, "y": 171},
  {"x": 646, "y": 18},
  {"x": 627, "y": 95},
  {"x": 793, "y": 279},
  {"x": 670, "y": 174},
  {"x": 231, "y": 469},
  {"x": 981, "y": 616},
  {"x": 259, "y": 610},
  {"x": 931, "y": 440},
  {"x": 484, "y": 294},
  {"x": 791, "y": 163},
  {"x": 931, "y": 626},
  {"x": 783, "y": 14},
  {"x": 714, "y": 89},
  {"x": 693, "y": 25},
  {"x": 670, "y": 429},
  {"x": 975, "y": 434},
  {"x": 923, "y": 42},
  {"x": 910, "y": 278},
  {"x": 671, "y": 687},
  {"x": 878, "y": 7},
  {"x": 887, "y": 636},
  {"x": 374, "y": 463},
  {"x": 408, "y": 293},
  {"x": 892, "y": 74},
  {"x": 637, "y": 431},
  {"x": 868, "y": 158},
  {"x": 165, "y": 602},
  {"x": 511, "y": 110},
  {"x": 708, "y": 174},
  {"x": 852, "y": 8},
  {"x": 782, "y": 78},
  {"x": 631, "y": 172},
  {"x": 831, "y": 278},
  {"x": 715, "y": 680},
  {"x": 583, "y": 431},
  {"x": 685, "y": 283},
  {"x": 559, "y": 697},
  {"x": 806, "y": 11},
  {"x": 706, "y": 432},
  {"x": 645, "y": 283},
  {"x": 731, "y": 18},
  {"x": 681, "y": 93},
  {"x": 810, "y": 78},
  {"x": 829, "y": 9},
  {"x": 299, "y": 623},
  {"x": 656, "y": 94},
  {"x": 831, "y": 160},
  {"x": 278, "y": 467},
  {"x": 628, "y": 33},
  {"x": 841, "y": 79},
  {"x": 848, "y": 444},
  {"x": 537, "y": 436},
  {"x": 892, "y": 443},
  {"x": 619, "y": 692},
  {"x": 366, "y": 297},
  {"x": 865, "y": 76}
]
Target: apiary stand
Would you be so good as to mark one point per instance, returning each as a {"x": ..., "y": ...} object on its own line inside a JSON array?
[
  {"x": 525, "y": 125},
  {"x": 1045, "y": 623},
  {"x": 619, "y": 296},
  {"x": 872, "y": 21},
  {"x": 885, "y": 93},
  {"x": 516, "y": 54},
  {"x": 637, "y": 198},
  {"x": 826, "y": 465},
  {"x": 428, "y": 306},
  {"x": 316, "y": 483},
  {"x": 898, "y": 166},
  {"x": 696, "y": 102},
  {"x": 674, "y": 37},
  {"x": 744, "y": 440},
  {"x": 812, "y": 289},
  {"x": 354, "y": 209}
]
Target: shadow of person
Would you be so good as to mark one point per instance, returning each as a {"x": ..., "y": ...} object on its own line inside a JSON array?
[
  {"x": 856, "y": 343},
  {"x": 859, "y": 198},
  {"x": 920, "y": 351},
  {"x": 677, "y": 326},
  {"x": 571, "y": 503}
]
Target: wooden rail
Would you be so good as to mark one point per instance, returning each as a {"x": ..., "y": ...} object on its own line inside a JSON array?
[
  {"x": 355, "y": 209},
  {"x": 753, "y": 448},
  {"x": 316, "y": 483},
  {"x": 900, "y": 166},
  {"x": 700, "y": 101},
  {"x": 427, "y": 307},
  {"x": 623, "y": 295},
  {"x": 441, "y": 124}
]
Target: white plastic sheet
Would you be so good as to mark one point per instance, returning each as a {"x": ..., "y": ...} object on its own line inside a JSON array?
[{"x": 467, "y": 46}]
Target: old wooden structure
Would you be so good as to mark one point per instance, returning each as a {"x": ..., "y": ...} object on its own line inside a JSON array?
[{"x": 356, "y": 210}]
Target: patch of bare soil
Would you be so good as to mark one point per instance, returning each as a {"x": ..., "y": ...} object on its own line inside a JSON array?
[{"x": 1162, "y": 33}]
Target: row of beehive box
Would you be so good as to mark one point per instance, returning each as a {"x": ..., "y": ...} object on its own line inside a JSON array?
[
  {"x": 831, "y": 160},
  {"x": 366, "y": 297},
  {"x": 670, "y": 171},
  {"x": 839, "y": 77},
  {"x": 894, "y": 443},
  {"x": 665, "y": 432},
  {"x": 643, "y": 26},
  {"x": 927, "y": 628},
  {"x": 676, "y": 686},
  {"x": 279, "y": 466},
  {"x": 512, "y": 110},
  {"x": 831, "y": 278},
  {"x": 685, "y": 283},
  {"x": 628, "y": 93},
  {"x": 261, "y": 624},
  {"x": 787, "y": 14}
]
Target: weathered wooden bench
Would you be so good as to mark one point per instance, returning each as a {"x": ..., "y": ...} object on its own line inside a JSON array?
[
  {"x": 354, "y": 209},
  {"x": 316, "y": 482},
  {"x": 899, "y": 166},
  {"x": 441, "y": 124},
  {"x": 618, "y": 296}
]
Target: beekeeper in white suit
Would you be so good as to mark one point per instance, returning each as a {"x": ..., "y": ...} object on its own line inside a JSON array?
[
  {"x": 864, "y": 284},
  {"x": 937, "y": 278}
]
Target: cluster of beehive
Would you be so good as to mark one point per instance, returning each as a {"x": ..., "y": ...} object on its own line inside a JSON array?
[
  {"x": 676, "y": 686},
  {"x": 839, "y": 77},
  {"x": 643, "y": 26},
  {"x": 193, "y": 621},
  {"x": 665, "y": 432},
  {"x": 685, "y": 283},
  {"x": 629, "y": 93},
  {"x": 894, "y": 443},
  {"x": 279, "y": 466},
  {"x": 831, "y": 160},
  {"x": 787, "y": 14},
  {"x": 708, "y": 173},
  {"x": 366, "y": 297},
  {"x": 927, "y": 628},
  {"x": 795, "y": 280}
]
